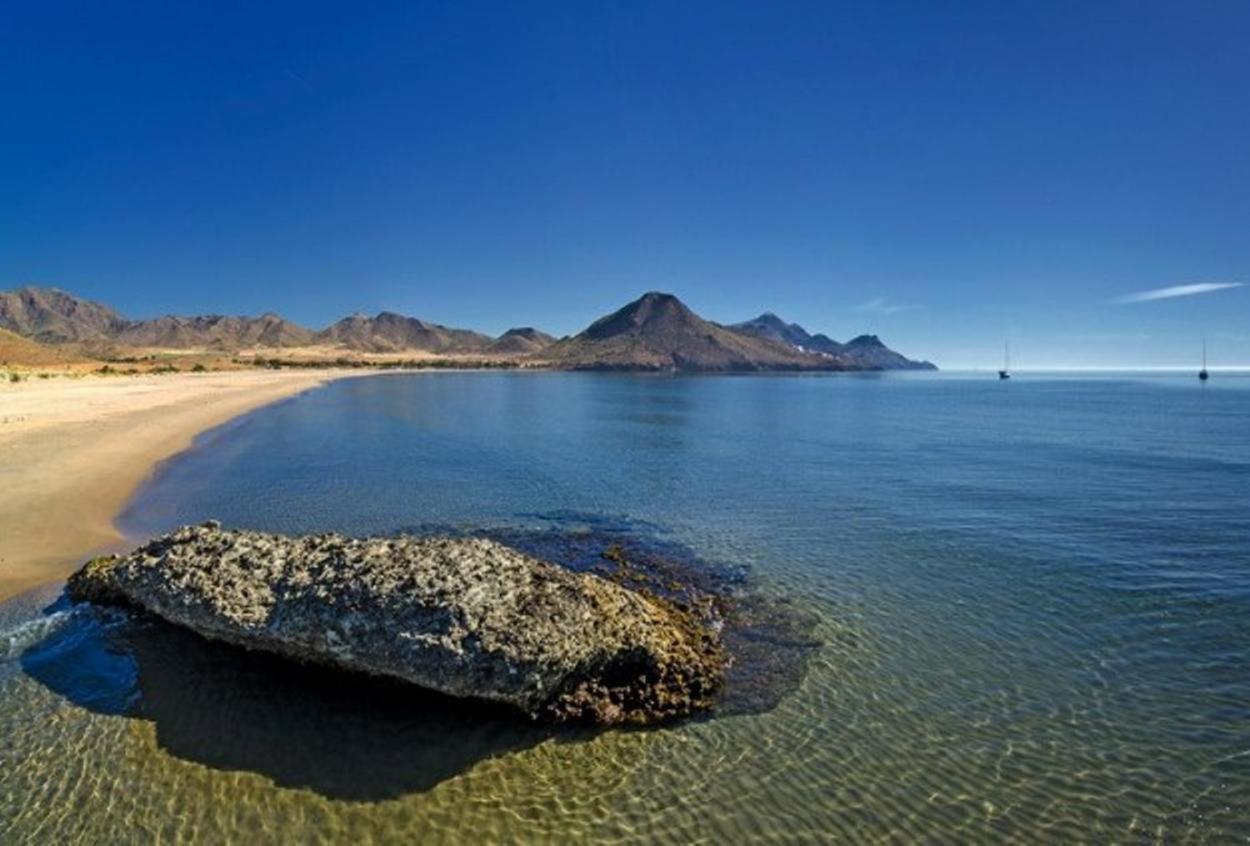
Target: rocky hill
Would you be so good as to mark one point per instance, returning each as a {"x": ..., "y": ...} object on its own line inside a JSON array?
[
  {"x": 865, "y": 352},
  {"x": 773, "y": 328},
  {"x": 875, "y": 355},
  {"x": 390, "y": 332},
  {"x": 214, "y": 331},
  {"x": 521, "y": 341},
  {"x": 51, "y": 316},
  {"x": 658, "y": 332}
]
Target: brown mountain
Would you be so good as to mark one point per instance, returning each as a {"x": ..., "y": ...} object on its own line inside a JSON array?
[
  {"x": 52, "y": 316},
  {"x": 390, "y": 332},
  {"x": 865, "y": 352},
  {"x": 658, "y": 332},
  {"x": 48, "y": 315},
  {"x": 522, "y": 340},
  {"x": 214, "y": 331}
]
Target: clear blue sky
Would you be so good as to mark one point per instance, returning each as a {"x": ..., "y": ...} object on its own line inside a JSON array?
[{"x": 942, "y": 174}]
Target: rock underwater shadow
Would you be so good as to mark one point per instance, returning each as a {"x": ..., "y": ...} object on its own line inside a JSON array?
[
  {"x": 356, "y": 737},
  {"x": 343, "y": 735}
]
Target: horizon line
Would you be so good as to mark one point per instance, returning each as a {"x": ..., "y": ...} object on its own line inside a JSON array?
[{"x": 1132, "y": 368}]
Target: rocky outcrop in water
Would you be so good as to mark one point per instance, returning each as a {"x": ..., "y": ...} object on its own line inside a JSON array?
[{"x": 466, "y": 617}]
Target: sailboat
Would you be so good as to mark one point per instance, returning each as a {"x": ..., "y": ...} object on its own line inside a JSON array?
[
  {"x": 1203, "y": 375},
  {"x": 1005, "y": 373}
]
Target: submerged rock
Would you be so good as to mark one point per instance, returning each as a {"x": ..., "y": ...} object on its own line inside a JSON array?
[{"x": 467, "y": 617}]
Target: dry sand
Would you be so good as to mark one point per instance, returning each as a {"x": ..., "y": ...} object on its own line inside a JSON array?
[{"x": 72, "y": 451}]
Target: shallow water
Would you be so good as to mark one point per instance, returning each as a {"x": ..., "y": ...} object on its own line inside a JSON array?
[{"x": 1032, "y": 600}]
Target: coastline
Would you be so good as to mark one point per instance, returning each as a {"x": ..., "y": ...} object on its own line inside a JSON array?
[{"x": 73, "y": 451}]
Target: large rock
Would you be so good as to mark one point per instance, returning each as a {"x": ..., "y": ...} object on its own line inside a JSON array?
[{"x": 467, "y": 617}]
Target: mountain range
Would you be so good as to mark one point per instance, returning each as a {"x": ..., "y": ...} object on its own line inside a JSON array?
[
  {"x": 772, "y": 327},
  {"x": 51, "y": 316},
  {"x": 655, "y": 332},
  {"x": 215, "y": 332},
  {"x": 867, "y": 350},
  {"x": 659, "y": 332}
]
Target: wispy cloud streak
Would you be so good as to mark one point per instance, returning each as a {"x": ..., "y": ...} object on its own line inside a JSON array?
[
  {"x": 1176, "y": 291},
  {"x": 880, "y": 306}
]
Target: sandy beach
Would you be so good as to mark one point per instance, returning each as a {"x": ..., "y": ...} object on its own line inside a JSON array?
[{"x": 72, "y": 451}]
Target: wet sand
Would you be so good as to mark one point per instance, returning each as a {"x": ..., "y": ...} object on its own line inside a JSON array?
[{"x": 72, "y": 451}]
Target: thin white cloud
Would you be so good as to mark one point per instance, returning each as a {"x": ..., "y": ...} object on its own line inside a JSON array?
[
  {"x": 880, "y": 306},
  {"x": 1176, "y": 291}
]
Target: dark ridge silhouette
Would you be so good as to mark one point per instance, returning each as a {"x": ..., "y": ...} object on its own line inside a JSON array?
[
  {"x": 865, "y": 352},
  {"x": 772, "y": 327}
]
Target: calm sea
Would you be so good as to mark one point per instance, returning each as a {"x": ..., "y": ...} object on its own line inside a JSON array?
[{"x": 1031, "y": 602}]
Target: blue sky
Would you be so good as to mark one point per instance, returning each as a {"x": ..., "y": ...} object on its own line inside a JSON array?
[{"x": 945, "y": 175}]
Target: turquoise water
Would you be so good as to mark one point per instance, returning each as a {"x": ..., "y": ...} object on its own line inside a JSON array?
[{"x": 1032, "y": 601}]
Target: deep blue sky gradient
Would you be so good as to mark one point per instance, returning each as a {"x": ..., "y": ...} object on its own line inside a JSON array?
[{"x": 945, "y": 175}]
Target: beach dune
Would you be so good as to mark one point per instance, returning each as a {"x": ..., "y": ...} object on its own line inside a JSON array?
[{"x": 72, "y": 451}]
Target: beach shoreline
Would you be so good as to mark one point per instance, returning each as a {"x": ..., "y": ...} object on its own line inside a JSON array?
[{"x": 74, "y": 451}]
